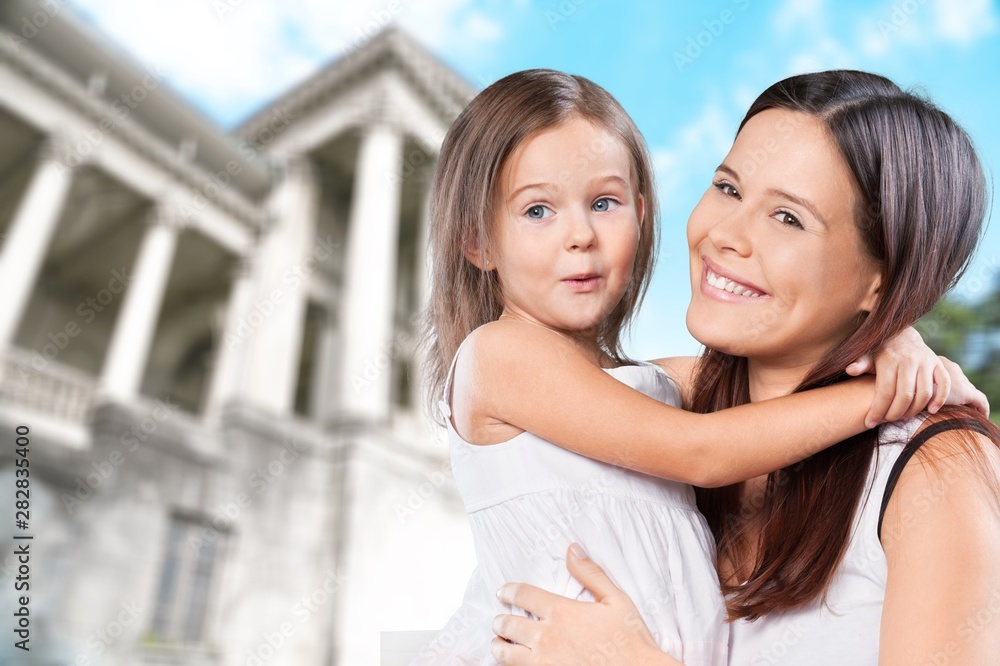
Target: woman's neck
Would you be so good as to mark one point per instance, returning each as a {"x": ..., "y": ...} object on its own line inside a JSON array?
[{"x": 770, "y": 379}]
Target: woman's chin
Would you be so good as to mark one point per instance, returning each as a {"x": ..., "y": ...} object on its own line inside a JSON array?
[{"x": 719, "y": 338}]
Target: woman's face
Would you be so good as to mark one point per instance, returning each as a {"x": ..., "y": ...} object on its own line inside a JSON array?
[{"x": 778, "y": 269}]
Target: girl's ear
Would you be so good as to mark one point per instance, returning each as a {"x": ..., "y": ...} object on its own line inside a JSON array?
[
  {"x": 477, "y": 257},
  {"x": 641, "y": 210}
]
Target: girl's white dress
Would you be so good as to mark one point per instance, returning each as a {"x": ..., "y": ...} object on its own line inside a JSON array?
[{"x": 528, "y": 500}]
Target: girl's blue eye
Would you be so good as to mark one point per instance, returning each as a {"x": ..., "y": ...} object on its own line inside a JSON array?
[
  {"x": 604, "y": 204},
  {"x": 539, "y": 212},
  {"x": 790, "y": 219},
  {"x": 727, "y": 189}
]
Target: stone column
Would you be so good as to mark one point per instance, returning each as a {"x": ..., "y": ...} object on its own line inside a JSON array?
[
  {"x": 128, "y": 352},
  {"x": 229, "y": 352},
  {"x": 286, "y": 259},
  {"x": 370, "y": 276},
  {"x": 324, "y": 372},
  {"x": 31, "y": 231},
  {"x": 422, "y": 275}
]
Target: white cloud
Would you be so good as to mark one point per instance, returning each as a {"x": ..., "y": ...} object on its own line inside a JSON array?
[
  {"x": 807, "y": 22},
  {"x": 796, "y": 16},
  {"x": 920, "y": 23},
  {"x": 231, "y": 56},
  {"x": 877, "y": 31},
  {"x": 702, "y": 143},
  {"x": 825, "y": 53},
  {"x": 964, "y": 22}
]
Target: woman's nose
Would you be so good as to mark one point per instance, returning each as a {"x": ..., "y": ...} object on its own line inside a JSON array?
[{"x": 731, "y": 231}]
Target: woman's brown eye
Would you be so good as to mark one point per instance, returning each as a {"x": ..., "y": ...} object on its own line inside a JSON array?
[
  {"x": 727, "y": 189},
  {"x": 789, "y": 219}
]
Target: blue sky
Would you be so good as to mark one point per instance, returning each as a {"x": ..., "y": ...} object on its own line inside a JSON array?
[{"x": 685, "y": 71}]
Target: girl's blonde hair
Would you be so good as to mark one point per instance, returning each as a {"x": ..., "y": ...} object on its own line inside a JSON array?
[{"x": 466, "y": 189}]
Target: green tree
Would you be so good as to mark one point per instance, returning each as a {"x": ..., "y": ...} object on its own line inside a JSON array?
[{"x": 969, "y": 334}]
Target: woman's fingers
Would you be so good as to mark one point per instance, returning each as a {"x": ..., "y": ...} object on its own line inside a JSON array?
[
  {"x": 533, "y": 599},
  {"x": 589, "y": 574},
  {"x": 517, "y": 629},
  {"x": 509, "y": 654}
]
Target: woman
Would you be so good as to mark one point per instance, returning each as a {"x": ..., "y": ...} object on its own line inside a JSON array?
[{"x": 850, "y": 207}]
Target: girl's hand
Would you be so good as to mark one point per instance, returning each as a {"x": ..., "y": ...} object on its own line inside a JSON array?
[
  {"x": 609, "y": 630},
  {"x": 910, "y": 377},
  {"x": 963, "y": 392}
]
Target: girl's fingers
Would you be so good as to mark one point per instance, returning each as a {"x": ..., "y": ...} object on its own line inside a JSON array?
[
  {"x": 509, "y": 654},
  {"x": 885, "y": 392},
  {"x": 942, "y": 387},
  {"x": 589, "y": 574},
  {"x": 981, "y": 403},
  {"x": 906, "y": 392},
  {"x": 861, "y": 366},
  {"x": 924, "y": 392}
]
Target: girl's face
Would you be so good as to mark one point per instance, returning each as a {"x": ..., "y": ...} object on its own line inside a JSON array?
[
  {"x": 778, "y": 268},
  {"x": 567, "y": 228}
]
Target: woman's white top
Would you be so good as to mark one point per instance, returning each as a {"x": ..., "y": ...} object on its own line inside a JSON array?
[
  {"x": 845, "y": 629},
  {"x": 528, "y": 500}
]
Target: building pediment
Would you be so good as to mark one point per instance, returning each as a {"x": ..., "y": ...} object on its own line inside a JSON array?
[{"x": 391, "y": 64}]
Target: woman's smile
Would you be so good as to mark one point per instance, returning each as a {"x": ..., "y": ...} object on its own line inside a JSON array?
[{"x": 722, "y": 285}]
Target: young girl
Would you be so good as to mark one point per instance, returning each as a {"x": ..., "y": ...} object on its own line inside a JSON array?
[{"x": 543, "y": 237}]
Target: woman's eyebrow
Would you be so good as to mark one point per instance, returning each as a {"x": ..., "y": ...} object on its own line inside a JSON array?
[
  {"x": 725, "y": 168},
  {"x": 805, "y": 203}
]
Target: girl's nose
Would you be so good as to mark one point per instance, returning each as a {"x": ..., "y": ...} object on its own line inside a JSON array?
[{"x": 581, "y": 234}]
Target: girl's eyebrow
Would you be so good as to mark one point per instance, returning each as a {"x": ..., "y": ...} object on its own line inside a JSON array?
[
  {"x": 805, "y": 203},
  {"x": 554, "y": 186},
  {"x": 612, "y": 178},
  {"x": 540, "y": 186}
]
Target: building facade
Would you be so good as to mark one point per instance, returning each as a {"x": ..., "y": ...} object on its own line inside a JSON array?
[{"x": 209, "y": 337}]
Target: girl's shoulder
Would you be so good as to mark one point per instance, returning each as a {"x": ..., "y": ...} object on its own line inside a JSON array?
[{"x": 511, "y": 341}]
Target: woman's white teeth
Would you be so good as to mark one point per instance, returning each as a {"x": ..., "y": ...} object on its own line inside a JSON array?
[{"x": 722, "y": 283}]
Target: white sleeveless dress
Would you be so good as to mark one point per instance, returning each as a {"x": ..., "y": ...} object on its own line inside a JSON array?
[
  {"x": 844, "y": 630},
  {"x": 528, "y": 500}
]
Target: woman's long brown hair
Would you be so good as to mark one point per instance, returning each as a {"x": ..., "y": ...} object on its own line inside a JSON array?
[{"x": 924, "y": 201}]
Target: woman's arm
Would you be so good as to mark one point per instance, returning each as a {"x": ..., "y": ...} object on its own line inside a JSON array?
[
  {"x": 536, "y": 380},
  {"x": 609, "y": 631},
  {"x": 941, "y": 536}
]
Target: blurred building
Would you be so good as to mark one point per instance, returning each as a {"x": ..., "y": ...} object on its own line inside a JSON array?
[{"x": 211, "y": 338}]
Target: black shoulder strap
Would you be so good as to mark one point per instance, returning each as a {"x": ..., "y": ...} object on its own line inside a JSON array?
[{"x": 913, "y": 446}]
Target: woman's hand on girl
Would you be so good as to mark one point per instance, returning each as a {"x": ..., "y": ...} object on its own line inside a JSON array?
[
  {"x": 568, "y": 631},
  {"x": 910, "y": 377}
]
